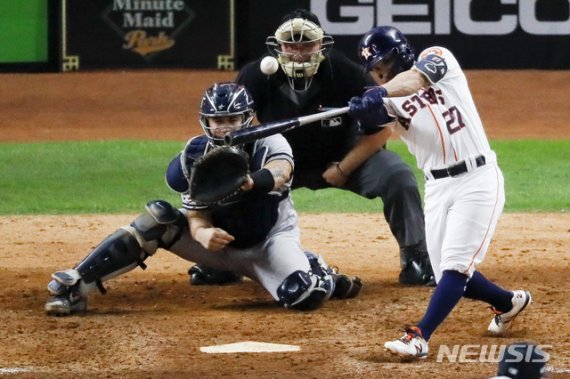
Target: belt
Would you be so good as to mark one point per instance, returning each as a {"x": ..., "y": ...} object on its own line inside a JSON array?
[{"x": 457, "y": 169}]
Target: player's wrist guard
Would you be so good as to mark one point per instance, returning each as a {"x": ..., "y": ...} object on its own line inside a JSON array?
[{"x": 263, "y": 181}]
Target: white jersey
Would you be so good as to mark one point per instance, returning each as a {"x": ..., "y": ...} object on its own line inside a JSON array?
[
  {"x": 440, "y": 124},
  {"x": 442, "y": 129}
]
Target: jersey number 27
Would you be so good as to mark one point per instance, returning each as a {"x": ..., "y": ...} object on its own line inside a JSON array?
[{"x": 453, "y": 120}]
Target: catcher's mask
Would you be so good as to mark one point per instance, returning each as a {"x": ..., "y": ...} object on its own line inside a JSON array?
[
  {"x": 386, "y": 43},
  {"x": 228, "y": 100},
  {"x": 300, "y": 45}
]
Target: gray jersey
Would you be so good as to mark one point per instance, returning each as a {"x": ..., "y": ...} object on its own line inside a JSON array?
[{"x": 269, "y": 259}]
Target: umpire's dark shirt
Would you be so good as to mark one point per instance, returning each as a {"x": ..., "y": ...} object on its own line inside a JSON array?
[{"x": 336, "y": 82}]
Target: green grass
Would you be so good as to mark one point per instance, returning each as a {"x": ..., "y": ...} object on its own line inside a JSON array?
[
  {"x": 121, "y": 176},
  {"x": 537, "y": 179},
  {"x": 83, "y": 177}
]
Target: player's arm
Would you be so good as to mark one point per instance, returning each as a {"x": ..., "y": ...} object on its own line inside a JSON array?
[
  {"x": 366, "y": 146},
  {"x": 338, "y": 173},
  {"x": 278, "y": 167},
  {"x": 205, "y": 233},
  {"x": 272, "y": 176},
  {"x": 406, "y": 83}
]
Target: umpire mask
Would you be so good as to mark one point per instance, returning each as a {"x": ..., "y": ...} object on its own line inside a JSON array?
[{"x": 300, "y": 46}]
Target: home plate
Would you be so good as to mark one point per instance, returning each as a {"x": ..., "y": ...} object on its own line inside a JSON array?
[
  {"x": 13, "y": 370},
  {"x": 249, "y": 347}
]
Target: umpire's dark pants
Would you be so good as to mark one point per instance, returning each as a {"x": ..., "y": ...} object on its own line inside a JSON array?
[{"x": 383, "y": 175}]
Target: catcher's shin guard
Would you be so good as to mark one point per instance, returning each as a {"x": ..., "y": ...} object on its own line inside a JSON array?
[
  {"x": 120, "y": 252},
  {"x": 416, "y": 267},
  {"x": 129, "y": 247}
]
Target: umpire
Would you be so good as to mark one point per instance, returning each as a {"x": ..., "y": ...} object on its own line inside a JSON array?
[{"x": 337, "y": 152}]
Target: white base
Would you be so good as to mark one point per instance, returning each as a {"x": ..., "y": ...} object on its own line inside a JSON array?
[{"x": 249, "y": 347}]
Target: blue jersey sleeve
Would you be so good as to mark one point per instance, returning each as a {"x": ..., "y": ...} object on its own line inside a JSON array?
[
  {"x": 433, "y": 67},
  {"x": 175, "y": 177}
]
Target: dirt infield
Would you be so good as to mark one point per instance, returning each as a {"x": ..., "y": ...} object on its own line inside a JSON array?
[{"x": 151, "y": 324}]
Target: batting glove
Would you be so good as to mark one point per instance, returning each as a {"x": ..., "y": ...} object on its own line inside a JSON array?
[
  {"x": 368, "y": 113},
  {"x": 356, "y": 107},
  {"x": 374, "y": 96}
]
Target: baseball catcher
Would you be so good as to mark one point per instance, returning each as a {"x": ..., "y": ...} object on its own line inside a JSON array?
[{"x": 237, "y": 217}]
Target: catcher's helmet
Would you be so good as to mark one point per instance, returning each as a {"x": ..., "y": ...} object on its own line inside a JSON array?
[
  {"x": 386, "y": 42},
  {"x": 300, "y": 30},
  {"x": 225, "y": 99},
  {"x": 523, "y": 360}
]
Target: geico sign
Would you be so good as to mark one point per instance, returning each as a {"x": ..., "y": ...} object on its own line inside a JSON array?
[{"x": 440, "y": 20}]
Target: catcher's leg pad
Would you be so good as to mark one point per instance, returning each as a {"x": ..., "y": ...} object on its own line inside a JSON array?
[
  {"x": 318, "y": 264},
  {"x": 304, "y": 291},
  {"x": 161, "y": 226},
  {"x": 120, "y": 252},
  {"x": 128, "y": 247}
]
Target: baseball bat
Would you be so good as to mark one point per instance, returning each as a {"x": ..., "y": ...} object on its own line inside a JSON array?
[{"x": 263, "y": 130}]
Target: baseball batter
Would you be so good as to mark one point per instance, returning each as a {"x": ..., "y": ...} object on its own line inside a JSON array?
[
  {"x": 254, "y": 233},
  {"x": 429, "y": 104}
]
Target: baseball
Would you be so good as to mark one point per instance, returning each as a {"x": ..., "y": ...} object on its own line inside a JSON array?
[{"x": 269, "y": 65}]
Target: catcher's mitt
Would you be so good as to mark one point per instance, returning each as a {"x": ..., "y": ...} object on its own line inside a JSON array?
[{"x": 218, "y": 175}]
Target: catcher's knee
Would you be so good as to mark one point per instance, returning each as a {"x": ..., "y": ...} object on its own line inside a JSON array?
[
  {"x": 161, "y": 226},
  {"x": 304, "y": 291}
]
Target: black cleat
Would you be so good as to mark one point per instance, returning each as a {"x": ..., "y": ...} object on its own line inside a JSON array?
[
  {"x": 346, "y": 287},
  {"x": 202, "y": 275}
]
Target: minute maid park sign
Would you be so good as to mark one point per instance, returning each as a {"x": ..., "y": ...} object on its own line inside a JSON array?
[{"x": 148, "y": 26}]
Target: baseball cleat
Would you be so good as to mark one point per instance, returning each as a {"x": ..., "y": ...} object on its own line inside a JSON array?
[
  {"x": 501, "y": 322},
  {"x": 202, "y": 275},
  {"x": 346, "y": 287},
  {"x": 411, "y": 345},
  {"x": 416, "y": 269},
  {"x": 65, "y": 305}
]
